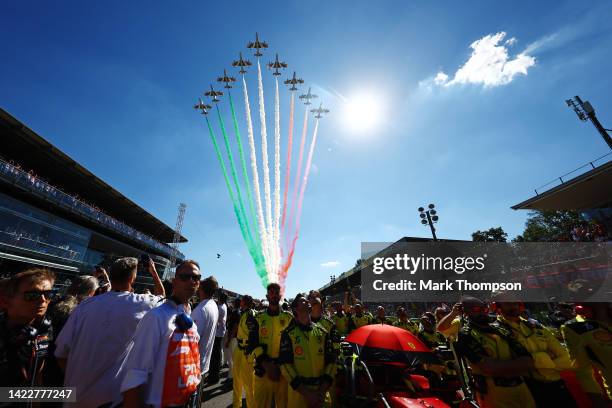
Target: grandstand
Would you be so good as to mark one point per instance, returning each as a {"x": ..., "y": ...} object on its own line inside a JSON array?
[
  {"x": 589, "y": 192},
  {"x": 57, "y": 214}
]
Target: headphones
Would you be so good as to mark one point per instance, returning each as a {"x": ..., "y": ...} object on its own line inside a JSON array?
[{"x": 30, "y": 333}]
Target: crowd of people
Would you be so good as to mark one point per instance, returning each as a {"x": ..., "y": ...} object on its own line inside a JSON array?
[
  {"x": 25, "y": 239},
  {"x": 160, "y": 349},
  {"x": 29, "y": 180}
]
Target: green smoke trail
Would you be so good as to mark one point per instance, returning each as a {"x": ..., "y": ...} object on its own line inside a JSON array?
[
  {"x": 253, "y": 219},
  {"x": 243, "y": 230},
  {"x": 255, "y": 237}
]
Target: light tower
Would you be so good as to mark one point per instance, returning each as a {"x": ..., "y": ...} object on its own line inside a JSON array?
[
  {"x": 429, "y": 217},
  {"x": 177, "y": 237},
  {"x": 585, "y": 111}
]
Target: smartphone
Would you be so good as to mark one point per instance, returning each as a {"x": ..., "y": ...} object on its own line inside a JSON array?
[{"x": 144, "y": 260}]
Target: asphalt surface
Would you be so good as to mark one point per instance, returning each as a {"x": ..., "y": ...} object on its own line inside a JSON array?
[{"x": 218, "y": 395}]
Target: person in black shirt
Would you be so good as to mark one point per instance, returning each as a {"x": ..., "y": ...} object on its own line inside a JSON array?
[{"x": 25, "y": 333}]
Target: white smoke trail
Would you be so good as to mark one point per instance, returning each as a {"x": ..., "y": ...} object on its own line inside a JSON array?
[
  {"x": 263, "y": 234},
  {"x": 265, "y": 164},
  {"x": 277, "y": 182}
]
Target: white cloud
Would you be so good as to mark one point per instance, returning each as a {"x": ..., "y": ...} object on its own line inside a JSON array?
[
  {"x": 489, "y": 64},
  {"x": 330, "y": 264}
]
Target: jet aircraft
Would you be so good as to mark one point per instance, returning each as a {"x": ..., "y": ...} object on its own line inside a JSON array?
[
  {"x": 277, "y": 65},
  {"x": 227, "y": 80},
  {"x": 213, "y": 94},
  {"x": 308, "y": 97},
  {"x": 293, "y": 82},
  {"x": 257, "y": 45},
  {"x": 242, "y": 63},
  {"x": 320, "y": 111}
]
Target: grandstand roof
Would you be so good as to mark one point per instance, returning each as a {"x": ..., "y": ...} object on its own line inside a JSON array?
[
  {"x": 587, "y": 191},
  {"x": 31, "y": 151}
]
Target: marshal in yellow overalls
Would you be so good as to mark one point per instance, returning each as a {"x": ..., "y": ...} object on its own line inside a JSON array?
[
  {"x": 242, "y": 368},
  {"x": 264, "y": 345},
  {"x": 493, "y": 392},
  {"x": 590, "y": 347},
  {"x": 307, "y": 359}
]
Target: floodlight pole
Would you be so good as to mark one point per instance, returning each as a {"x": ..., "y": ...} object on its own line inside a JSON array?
[
  {"x": 585, "y": 111},
  {"x": 433, "y": 229},
  {"x": 432, "y": 217}
]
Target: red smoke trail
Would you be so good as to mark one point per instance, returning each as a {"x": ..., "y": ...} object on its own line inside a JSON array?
[
  {"x": 296, "y": 182},
  {"x": 285, "y": 267}
]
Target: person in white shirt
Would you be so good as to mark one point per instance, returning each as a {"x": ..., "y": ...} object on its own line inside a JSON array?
[
  {"x": 217, "y": 354},
  {"x": 206, "y": 315},
  {"x": 162, "y": 366},
  {"x": 92, "y": 343}
]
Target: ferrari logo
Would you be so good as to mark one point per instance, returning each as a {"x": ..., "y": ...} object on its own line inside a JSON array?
[
  {"x": 411, "y": 345},
  {"x": 298, "y": 351}
]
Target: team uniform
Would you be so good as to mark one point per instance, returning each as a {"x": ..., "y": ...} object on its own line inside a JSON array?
[
  {"x": 590, "y": 347},
  {"x": 407, "y": 325},
  {"x": 307, "y": 358},
  {"x": 356, "y": 322},
  {"x": 494, "y": 342},
  {"x": 431, "y": 339},
  {"x": 384, "y": 320},
  {"x": 549, "y": 357},
  {"x": 341, "y": 322},
  {"x": 264, "y": 345},
  {"x": 242, "y": 368}
]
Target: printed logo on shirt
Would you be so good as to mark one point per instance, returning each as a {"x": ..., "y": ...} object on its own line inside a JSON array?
[
  {"x": 182, "y": 373},
  {"x": 298, "y": 350},
  {"x": 263, "y": 332}
]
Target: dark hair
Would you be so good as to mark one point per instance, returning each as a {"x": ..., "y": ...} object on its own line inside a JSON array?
[
  {"x": 248, "y": 299},
  {"x": 296, "y": 299},
  {"x": 122, "y": 270},
  {"x": 273, "y": 285},
  {"x": 222, "y": 297},
  {"x": 209, "y": 286},
  {"x": 34, "y": 275},
  {"x": 187, "y": 261}
]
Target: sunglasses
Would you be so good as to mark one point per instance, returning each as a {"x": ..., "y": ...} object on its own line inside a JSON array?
[
  {"x": 32, "y": 295},
  {"x": 184, "y": 278}
]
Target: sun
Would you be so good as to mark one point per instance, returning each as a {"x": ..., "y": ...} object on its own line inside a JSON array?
[{"x": 362, "y": 112}]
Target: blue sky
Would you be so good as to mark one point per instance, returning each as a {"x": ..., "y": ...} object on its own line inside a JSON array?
[{"x": 112, "y": 84}]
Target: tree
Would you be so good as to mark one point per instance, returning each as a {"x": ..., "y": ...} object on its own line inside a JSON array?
[
  {"x": 549, "y": 226},
  {"x": 490, "y": 235}
]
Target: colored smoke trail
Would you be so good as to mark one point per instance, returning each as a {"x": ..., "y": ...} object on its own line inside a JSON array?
[
  {"x": 250, "y": 218},
  {"x": 288, "y": 166},
  {"x": 263, "y": 277},
  {"x": 277, "y": 182},
  {"x": 266, "y": 169},
  {"x": 255, "y": 173},
  {"x": 230, "y": 157},
  {"x": 287, "y": 265},
  {"x": 296, "y": 182}
]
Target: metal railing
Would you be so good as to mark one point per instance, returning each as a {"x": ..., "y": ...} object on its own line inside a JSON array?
[
  {"x": 590, "y": 166},
  {"x": 16, "y": 175}
]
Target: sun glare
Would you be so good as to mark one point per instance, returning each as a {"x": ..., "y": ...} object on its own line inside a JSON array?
[{"x": 362, "y": 112}]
